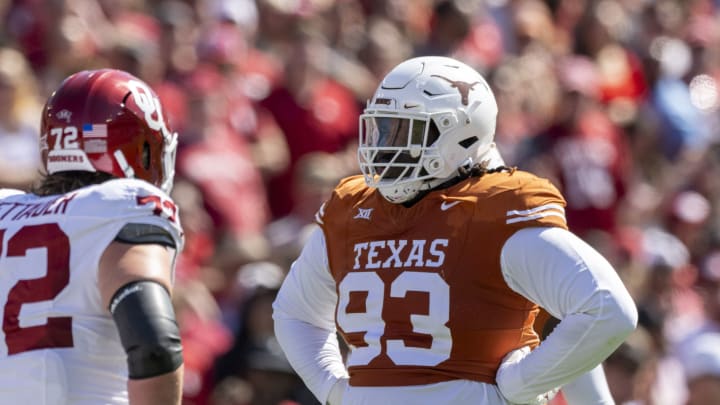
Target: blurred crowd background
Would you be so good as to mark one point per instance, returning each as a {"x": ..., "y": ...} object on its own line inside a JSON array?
[{"x": 616, "y": 101}]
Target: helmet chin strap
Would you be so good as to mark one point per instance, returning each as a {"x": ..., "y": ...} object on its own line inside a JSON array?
[
  {"x": 400, "y": 193},
  {"x": 492, "y": 156},
  {"x": 123, "y": 163}
]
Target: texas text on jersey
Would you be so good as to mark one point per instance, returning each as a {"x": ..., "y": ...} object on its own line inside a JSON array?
[{"x": 408, "y": 301}]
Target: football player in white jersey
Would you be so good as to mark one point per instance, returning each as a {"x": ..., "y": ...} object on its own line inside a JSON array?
[
  {"x": 87, "y": 258},
  {"x": 433, "y": 263}
]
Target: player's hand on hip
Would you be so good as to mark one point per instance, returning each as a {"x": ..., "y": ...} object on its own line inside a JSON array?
[{"x": 509, "y": 379}]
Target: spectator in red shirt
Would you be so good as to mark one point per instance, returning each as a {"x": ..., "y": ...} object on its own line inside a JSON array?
[
  {"x": 219, "y": 162},
  {"x": 316, "y": 114}
]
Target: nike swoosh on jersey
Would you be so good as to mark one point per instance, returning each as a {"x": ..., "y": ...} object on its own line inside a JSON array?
[{"x": 446, "y": 205}]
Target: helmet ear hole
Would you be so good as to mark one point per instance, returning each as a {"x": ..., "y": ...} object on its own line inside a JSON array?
[
  {"x": 146, "y": 155},
  {"x": 468, "y": 142},
  {"x": 433, "y": 133}
]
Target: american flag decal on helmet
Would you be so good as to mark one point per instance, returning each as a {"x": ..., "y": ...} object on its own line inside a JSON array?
[
  {"x": 94, "y": 131},
  {"x": 95, "y": 138}
]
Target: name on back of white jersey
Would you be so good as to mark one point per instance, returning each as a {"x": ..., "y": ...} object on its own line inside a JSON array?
[{"x": 14, "y": 211}]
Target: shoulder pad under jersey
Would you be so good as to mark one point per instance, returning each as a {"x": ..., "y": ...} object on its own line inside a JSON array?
[
  {"x": 7, "y": 192},
  {"x": 349, "y": 188}
]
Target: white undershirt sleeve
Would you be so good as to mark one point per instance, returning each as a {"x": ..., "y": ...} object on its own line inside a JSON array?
[
  {"x": 590, "y": 388},
  {"x": 304, "y": 315},
  {"x": 555, "y": 269}
]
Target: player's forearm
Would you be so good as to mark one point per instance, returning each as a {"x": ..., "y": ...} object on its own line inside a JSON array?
[
  {"x": 164, "y": 389},
  {"x": 573, "y": 282},
  {"x": 313, "y": 352},
  {"x": 578, "y": 344},
  {"x": 590, "y": 388},
  {"x": 303, "y": 312}
]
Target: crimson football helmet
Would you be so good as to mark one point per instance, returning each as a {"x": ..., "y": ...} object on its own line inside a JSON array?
[
  {"x": 430, "y": 116},
  {"x": 108, "y": 121}
]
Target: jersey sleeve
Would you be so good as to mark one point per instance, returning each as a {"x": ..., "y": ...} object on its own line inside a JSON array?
[
  {"x": 534, "y": 203},
  {"x": 130, "y": 201}
]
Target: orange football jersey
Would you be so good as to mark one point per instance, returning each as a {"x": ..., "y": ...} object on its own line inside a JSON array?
[{"x": 421, "y": 296}]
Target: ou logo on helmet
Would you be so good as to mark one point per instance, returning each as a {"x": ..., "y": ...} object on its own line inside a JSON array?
[{"x": 150, "y": 106}]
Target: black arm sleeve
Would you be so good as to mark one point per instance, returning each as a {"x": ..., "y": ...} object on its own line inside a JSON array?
[
  {"x": 148, "y": 331},
  {"x": 135, "y": 234}
]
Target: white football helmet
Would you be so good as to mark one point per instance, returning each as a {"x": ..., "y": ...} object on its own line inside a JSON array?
[{"x": 430, "y": 116}]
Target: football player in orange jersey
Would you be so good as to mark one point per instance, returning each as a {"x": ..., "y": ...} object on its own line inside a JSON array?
[{"x": 433, "y": 264}]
